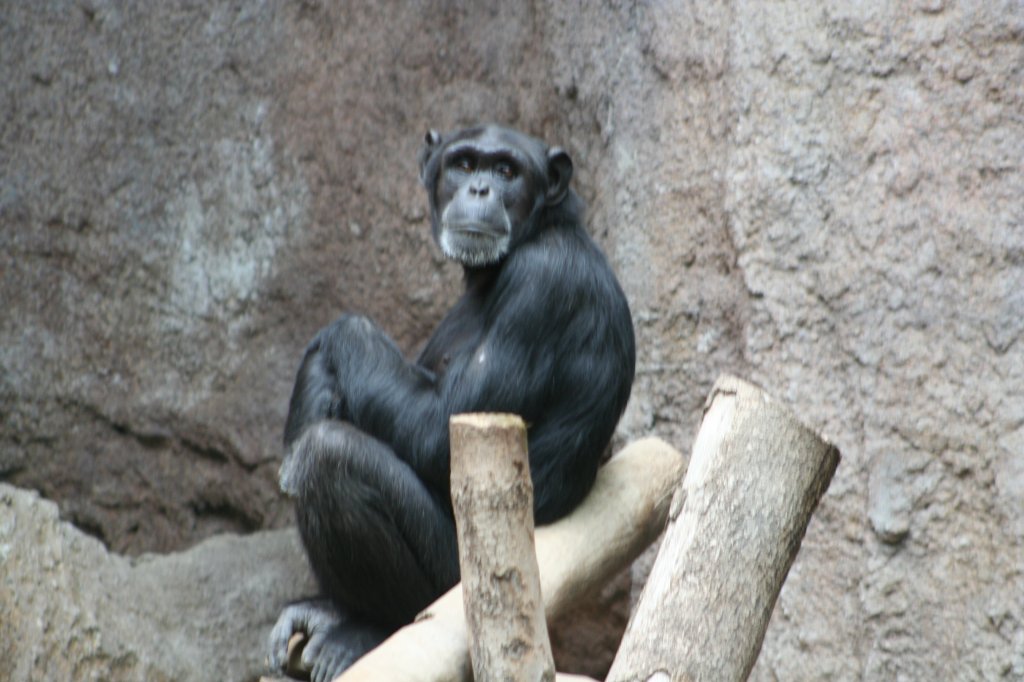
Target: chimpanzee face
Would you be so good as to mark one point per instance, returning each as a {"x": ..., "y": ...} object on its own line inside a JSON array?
[{"x": 487, "y": 186}]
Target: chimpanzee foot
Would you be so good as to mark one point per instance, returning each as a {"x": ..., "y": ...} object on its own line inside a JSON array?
[
  {"x": 308, "y": 617},
  {"x": 334, "y": 641}
]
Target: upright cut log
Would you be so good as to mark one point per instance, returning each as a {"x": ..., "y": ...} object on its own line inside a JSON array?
[
  {"x": 755, "y": 477},
  {"x": 492, "y": 496}
]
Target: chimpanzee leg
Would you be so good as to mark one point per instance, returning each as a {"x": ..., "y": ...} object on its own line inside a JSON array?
[
  {"x": 381, "y": 545},
  {"x": 379, "y": 542}
]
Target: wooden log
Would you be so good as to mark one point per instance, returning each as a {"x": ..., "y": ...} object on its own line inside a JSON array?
[
  {"x": 492, "y": 497},
  {"x": 755, "y": 477},
  {"x": 622, "y": 515}
]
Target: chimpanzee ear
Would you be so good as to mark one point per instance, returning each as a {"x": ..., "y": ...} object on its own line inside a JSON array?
[
  {"x": 559, "y": 175},
  {"x": 431, "y": 141}
]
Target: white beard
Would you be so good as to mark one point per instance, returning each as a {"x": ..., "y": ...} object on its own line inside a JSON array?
[{"x": 473, "y": 249}]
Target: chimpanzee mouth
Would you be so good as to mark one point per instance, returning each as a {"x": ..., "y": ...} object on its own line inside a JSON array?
[{"x": 478, "y": 230}]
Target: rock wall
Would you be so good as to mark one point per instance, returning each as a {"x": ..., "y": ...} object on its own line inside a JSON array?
[
  {"x": 824, "y": 198},
  {"x": 875, "y": 201},
  {"x": 72, "y": 611}
]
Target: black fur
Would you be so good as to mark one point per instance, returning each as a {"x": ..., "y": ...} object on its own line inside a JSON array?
[{"x": 543, "y": 330}]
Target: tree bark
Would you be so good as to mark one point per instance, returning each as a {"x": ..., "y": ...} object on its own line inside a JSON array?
[
  {"x": 622, "y": 515},
  {"x": 755, "y": 477},
  {"x": 492, "y": 496}
]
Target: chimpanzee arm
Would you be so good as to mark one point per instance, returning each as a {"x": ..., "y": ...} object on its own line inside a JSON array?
[
  {"x": 413, "y": 416},
  {"x": 352, "y": 371}
]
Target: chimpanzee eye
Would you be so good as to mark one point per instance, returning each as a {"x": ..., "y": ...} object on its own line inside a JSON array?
[
  {"x": 463, "y": 162},
  {"x": 506, "y": 170}
]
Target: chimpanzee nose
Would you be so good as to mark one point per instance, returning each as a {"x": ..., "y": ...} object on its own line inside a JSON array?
[{"x": 479, "y": 189}]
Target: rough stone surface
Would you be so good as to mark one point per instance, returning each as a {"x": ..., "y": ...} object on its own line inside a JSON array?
[
  {"x": 825, "y": 198},
  {"x": 72, "y": 611}
]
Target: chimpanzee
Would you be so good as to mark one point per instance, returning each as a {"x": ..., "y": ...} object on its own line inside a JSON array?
[{"x": 542, "y": 330}]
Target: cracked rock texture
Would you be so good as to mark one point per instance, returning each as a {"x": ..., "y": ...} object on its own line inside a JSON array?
[{"x": 825, "y": 198}]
